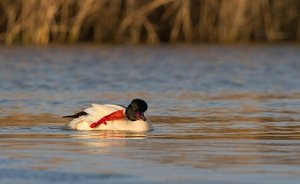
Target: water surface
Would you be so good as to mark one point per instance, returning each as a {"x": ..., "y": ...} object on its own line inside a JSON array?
[{"x": 223, "y": 114}]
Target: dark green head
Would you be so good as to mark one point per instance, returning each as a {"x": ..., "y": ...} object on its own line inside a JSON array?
[{"x": 136, "y": 109}]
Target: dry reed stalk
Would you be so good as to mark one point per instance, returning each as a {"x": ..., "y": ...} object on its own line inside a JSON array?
[
  {"x": 284, "y": 16},
  {"x": 105, "y": 21},
  {"x": 231, "y": 19},
  {"x": 186, "y": 22},
  {"x": 31, "y": 21},
  {"x": 148, "y": 21},
  {"x": 59, "y": 29},
  {"x": 86, "y": 8},
  {"x": 46, "y": 17},
  {"x": 135, "y": 20},
  {"x": 182, "y": 22},
  {"x": 13, "y": 25},
  {"x": 177, "y": 24},
  {"x": 207, "y": 24}
]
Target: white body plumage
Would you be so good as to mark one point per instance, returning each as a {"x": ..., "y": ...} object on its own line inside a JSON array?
[{"x": 98, "y": 111}]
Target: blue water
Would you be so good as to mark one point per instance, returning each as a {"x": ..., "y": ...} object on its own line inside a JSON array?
[{"x": 222, "y": 114}]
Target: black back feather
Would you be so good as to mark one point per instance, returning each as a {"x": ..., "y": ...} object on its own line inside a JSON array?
[{"x": 77, "y": 115}]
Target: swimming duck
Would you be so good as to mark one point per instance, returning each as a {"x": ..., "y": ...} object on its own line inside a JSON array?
[{"x": 112, "y": 117}]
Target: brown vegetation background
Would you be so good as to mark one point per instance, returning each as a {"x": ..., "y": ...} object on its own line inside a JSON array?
[{"x": 148, "y": 21}]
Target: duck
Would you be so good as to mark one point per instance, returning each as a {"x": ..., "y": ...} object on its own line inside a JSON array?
[{"x": 112, "y": 117}]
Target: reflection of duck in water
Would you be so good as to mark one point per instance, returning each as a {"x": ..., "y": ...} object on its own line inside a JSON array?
[{"x": 112, "y": 117}]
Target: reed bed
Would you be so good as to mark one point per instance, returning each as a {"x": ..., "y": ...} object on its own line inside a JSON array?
[{"x": 148, "y": 21}]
